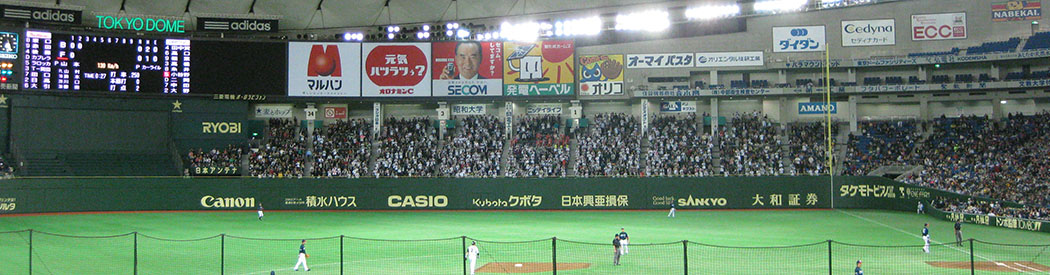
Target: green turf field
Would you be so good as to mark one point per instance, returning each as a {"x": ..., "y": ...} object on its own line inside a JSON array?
[{"x": 583, "y": 237}]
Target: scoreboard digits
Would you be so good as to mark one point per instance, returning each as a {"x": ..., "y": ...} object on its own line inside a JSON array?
[{"x": 71, "y": 62}]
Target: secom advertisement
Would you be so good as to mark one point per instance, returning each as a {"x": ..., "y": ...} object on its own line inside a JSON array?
[{"x": 468, "y": 68}]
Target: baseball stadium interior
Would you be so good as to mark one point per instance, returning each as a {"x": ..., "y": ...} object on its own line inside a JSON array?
[{"x": 512, "y": 136}]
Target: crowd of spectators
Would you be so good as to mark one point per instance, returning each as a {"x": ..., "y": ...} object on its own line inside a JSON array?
[
  {"x": 539, "y": 148},
  {"x": 284, "y": 152},
  {"x": 979, "y": 207},
  {"x": 609, "y": 146},
  {"x": 6, "y": 170},
  {"x": 474, "y": 148},
  {"x": 808, "y": 144},
  {"x": 678, "y": 147},
  {"x": 972, "y": 156},
  {"x": 750, "y": 146},
  {"x": 882, "y": 143},
  {"x": 407, "y": 148},
  {"x": 217, "y": 158},
  {"x": 342, "y": 149}
]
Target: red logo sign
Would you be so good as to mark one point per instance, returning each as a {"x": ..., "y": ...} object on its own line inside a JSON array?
[
  {"x": 396, "y": 66},
  {"x": 324, "y": 61},
  {"x": 943, "y": 31},
  {"x": 335, "y": 112}
]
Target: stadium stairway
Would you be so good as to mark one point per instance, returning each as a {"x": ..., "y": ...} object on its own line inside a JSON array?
[
  {"x": 372, "y": 157},
  {"x": 574, "y": 155},
  {"x": 504, "y": 158},
  {"x": 308, "y": 165}
]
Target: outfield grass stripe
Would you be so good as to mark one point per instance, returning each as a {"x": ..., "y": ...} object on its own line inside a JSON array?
[{"x": 931, "y": 240}]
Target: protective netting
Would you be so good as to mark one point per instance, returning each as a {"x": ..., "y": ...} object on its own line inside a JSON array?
[{"x": 136, "y": 253}]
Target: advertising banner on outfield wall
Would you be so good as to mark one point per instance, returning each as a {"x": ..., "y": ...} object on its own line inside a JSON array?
[
  {"x": 660, "y": 60},
  {"x": 678, "y": 107},
  {"x": 539, "y": 68},
  {"x": 396, "y": 70},
  {"x": 729, "y": 59},
  {"x": 468, "y": 109},
  {"x": 1016, "y": 10},
  {"x": 939, "y": 26},
  {"x": 601, "y": 75},
  {"x": 869, "y": 33},
  {"x": 324, "y": 69},
  {"x": 798, "y": 39},
  {"x": 468, "y": 68}
]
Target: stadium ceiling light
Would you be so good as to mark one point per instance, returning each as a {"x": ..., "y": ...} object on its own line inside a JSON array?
[
  {"x": 651, "y": 21},
  {"x": 522, "y": 32},
  {"x": 774, "y": 6},
  {"x": 582, "y": 26},
  {"x": 712, "y": 12},
  {"x": 462, "y": 33}
]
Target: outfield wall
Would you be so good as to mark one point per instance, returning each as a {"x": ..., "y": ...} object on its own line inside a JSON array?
[{"x": 21, "y": 196}]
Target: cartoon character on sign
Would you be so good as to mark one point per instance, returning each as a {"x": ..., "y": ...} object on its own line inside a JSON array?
[{"x": 531, "y": 66}]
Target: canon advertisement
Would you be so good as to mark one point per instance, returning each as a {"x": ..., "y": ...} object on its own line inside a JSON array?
[
  {"x": 324, "y": 69},
  {"x": 938, "y": 26},
  {"x": 236, "y": 25},
  {"x": 396, "y": 69},
  {"x": 468, "y": 68},
  {"x": 43, "y": 15},
  {"x": 868, "y": 33}
]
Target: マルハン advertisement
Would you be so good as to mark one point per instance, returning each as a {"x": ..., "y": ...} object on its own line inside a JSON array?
[
  {"x": 324, "y": 69},
  {"x": 468, "y": 68},
  {"x": 539, "y": 68},
  {"x": 396, "y": 70},
  {"x": 601, "y": 75}
]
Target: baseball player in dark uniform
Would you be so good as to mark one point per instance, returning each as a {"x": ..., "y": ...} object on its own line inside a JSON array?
[
  {"x": 623, "y": 240},
  {"x": 858, "y": 271},
  {"x": 302, "y": 257},
  {"x": 616, "y": 247},
  {"x": 926, "y": 237},
  {"x": 958, "y": 233}
]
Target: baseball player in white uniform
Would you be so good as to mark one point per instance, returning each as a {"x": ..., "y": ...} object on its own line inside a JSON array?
[
  {"x": 472, "y": 255},
  {"x": 926, "y": 237},
  {"x": 671, "y": 214},
  {"x": 260, "y": 211},
  {"x": 302, "y": 257}
]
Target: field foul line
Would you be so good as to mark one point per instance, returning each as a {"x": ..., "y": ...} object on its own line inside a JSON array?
[
  {"x": 1025, "y": 266},
  {"x": 931, "y": 240}
]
